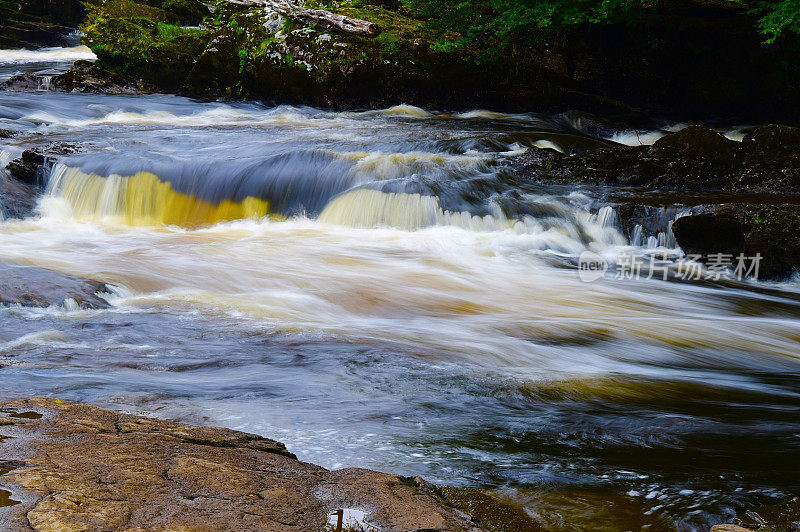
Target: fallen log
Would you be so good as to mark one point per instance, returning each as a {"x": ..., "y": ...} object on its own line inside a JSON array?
[{"x": 320, "y": 17}]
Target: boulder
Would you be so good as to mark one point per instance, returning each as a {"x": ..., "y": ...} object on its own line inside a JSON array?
[
  {"x": 770, "y": 230},
  {"x": 30, "y": 286},
  {"x": 88, "y": 77},
  {"x": 29, "y": 168}
]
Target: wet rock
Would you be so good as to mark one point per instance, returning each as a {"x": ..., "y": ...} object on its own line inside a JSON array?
[
  {"x": 17, "y": 200},
  {"x": 491, "y": 512},
  {"x": 29, "y": 168},
  {"x": 772, "y": 140},
  {"x": 87, "y": 77},
  {"x": 21, "y": 83},
  {"x": 759, "y": 177},
  {"x": 31, "y": 286},
  {"x": 771, "y": 231},
  {"x": 697, "y": 158},
  {"x": 91, "y": 468},
  {"x": 699, "y": 148}
]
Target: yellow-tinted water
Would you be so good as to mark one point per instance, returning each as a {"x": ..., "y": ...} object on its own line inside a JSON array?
[{"x": 143, "y": 199}]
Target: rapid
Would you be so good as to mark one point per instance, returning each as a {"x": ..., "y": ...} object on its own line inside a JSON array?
[{"x": 377, "y": 289}]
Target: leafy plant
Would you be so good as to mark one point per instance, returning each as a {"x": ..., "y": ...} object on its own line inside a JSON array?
[{"x": 778, "y": 17}]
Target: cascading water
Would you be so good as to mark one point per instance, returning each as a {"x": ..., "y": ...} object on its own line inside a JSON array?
[
  {"x": 143, "y": 199},
  {"x": 374, "y": 288}
]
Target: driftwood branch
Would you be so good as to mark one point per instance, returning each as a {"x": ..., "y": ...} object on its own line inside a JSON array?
[{"x": 320, "y": 17}]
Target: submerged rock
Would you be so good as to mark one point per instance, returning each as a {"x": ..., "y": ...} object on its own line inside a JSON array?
[
  {"x": 781, "y": 517},
  {"x": 83, "y": 467},
  {"x": 31, "y": 286}
]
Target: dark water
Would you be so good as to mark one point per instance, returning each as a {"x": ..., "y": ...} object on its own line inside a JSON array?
[{"x": 374, "y": 289}]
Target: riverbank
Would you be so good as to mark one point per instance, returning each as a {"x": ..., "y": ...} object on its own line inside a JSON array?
[
  {"x": 69, "y": 466},
  {"x": 669, "y": 61}
]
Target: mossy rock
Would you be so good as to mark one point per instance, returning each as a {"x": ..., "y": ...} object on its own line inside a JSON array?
[
  {"x": 189, "y": 12},
  {"x": 490, "y": 512},
  {"x": 147, "y": 48}
]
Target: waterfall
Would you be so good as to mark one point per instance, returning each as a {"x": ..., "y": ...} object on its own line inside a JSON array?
[
  {"x": 43, "y": 83},
  {"x": 143, "y": 199}
]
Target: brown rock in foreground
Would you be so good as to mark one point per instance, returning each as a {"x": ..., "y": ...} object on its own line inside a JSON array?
[{"x": 78, "y": 467}]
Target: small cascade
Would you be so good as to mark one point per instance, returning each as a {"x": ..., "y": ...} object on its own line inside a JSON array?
[
  {"x": 636, "y": 236},
  {"x": 654, "y": 227},
  {"x": 44, "y": 83},
  {"x": 566, "y": 228},
  {"x": 607, "y": 217},
  {"x": 372, "y": 208},
  {"x": 143, "y": 199}
]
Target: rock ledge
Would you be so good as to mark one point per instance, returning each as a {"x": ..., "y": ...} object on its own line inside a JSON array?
[{"x": 79, "y": 467}]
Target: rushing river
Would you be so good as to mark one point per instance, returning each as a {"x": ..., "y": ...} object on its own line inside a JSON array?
[{"x": 375, "y": 289}]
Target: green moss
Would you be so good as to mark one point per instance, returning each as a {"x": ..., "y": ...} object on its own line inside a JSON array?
[
  {"x": 128, "y": 9},
  {"x": 491, "y": 513},
  {"x": 143, "y": 41}
]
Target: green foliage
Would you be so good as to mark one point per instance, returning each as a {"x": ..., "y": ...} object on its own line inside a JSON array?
[
  {"x": 493, "y": 25},
  {"x": 778, "y": 17}
]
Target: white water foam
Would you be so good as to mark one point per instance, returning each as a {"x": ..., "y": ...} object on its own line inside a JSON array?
[{"x": 47, "y": 55}]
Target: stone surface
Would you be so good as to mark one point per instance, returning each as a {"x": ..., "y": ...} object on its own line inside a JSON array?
[
  {"x": 771, "y": 230},
  {"x": 81, "y": 467},
  {"x": 17, "y": 200},
  {"x": 87, "y": 77},
  {"x": 29, "y": 167},
  {"x": 697, "y": 158},
  {"x": 30, "y": 286}
]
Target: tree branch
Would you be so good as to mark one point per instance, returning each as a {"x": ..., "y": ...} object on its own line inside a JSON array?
[{"x": 322, "y": 18}]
